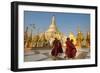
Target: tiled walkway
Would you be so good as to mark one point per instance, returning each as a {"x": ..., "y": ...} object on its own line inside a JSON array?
[{"x": 44, "y": 55}]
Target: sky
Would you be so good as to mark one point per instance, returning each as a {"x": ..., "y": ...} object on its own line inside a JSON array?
[{"x": 66, "y": 22}]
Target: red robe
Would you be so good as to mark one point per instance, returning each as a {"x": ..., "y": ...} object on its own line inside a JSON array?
[
  {"x": 57, "y": 48},
  {"x": 60, "y": 47},
  {"x": 70, "y": 50}
]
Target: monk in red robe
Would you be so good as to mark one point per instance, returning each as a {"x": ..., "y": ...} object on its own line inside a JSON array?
[
  {"x": 57, "y": 48},
  {"x": 60, "y": 47},
  {"x": 70, "y": 49}
]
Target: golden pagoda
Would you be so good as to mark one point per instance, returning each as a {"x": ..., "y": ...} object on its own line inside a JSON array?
[
  {"x": 72, "y": 37},
  {"x": 45, "y": 38},
  {"x": 53, "y": 32},
  {"x": 79, "y": 39},
  {"x": 88, "y": 40}
]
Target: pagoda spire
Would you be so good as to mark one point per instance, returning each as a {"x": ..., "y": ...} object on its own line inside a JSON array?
[
  {"x": 52, "y": 27},
  {"x": 53, "y": 20}
]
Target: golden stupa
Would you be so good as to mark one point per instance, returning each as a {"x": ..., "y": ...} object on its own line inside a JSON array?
[
  {"x": 72, "y": 37},
  {"x": 45, "y": 38},
  {"x": 88, "y": 40},
  {"x": 79, "y": 39}
]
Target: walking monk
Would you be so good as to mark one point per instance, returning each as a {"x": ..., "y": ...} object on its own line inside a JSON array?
[
  {"x": 57, "y": 48},
  {"x": 70, "y": 49}
]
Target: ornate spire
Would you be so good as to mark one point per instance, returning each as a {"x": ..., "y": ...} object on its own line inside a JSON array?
[
  {"x": 53, "y": 20},
  {"x": 52, "y": 27}
]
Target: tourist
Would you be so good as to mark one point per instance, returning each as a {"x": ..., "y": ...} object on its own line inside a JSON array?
[{"x": 70, "y": 49}]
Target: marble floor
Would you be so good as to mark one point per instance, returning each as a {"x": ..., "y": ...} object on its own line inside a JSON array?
[{"x": 44, "y": 55}]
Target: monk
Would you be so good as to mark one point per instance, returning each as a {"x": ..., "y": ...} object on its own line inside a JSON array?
[
  {"x": 60, "y": 47},
  {"x": 70, "y": 49},
  {"x": 57, "y": 48}
]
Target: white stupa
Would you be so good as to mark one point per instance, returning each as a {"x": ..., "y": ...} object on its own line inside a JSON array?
[
  {"x": 52, "y": 33},
  {"x": 52, "y": 28}
]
